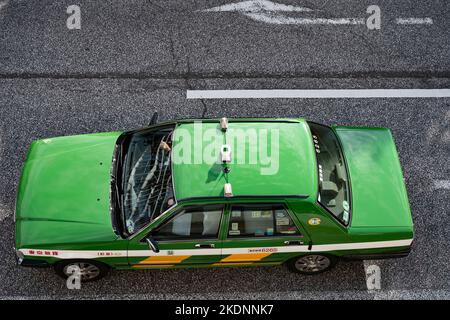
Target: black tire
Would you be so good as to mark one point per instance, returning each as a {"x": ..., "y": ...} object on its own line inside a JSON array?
[
  {"x": 93, "y": 270},
  {"x": 312, "y": 264}
]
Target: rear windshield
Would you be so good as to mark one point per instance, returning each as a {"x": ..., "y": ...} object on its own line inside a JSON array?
[
  {"x": 334, "y": 192},
  {"x": 146, "y": 177}
]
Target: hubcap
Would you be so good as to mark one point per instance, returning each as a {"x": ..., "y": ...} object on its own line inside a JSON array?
[
  {"x": 312, "y": 263},
  {"x": 87, "y": 270}
]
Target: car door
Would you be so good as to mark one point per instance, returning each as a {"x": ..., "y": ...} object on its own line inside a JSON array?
[
  {"x": 261, "y": 234},
  {"x": 189, "y": 237}
]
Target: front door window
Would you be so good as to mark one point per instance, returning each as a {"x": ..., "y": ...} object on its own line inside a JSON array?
[
  {"x": 194, "y": 223},
  {"x": 189, "y": 238}
]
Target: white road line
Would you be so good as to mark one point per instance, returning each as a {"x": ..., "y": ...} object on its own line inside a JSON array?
[
  {"x": 442, "y": 184},
  {"x": 258, "y": 6},
  {"x": 274, "y": 13},
  {"x": 271, "y": 19},
  {"x": 318, "y": 93},
  {"x": 414, "y": 21},
  {"x": 271, "y": 13}
]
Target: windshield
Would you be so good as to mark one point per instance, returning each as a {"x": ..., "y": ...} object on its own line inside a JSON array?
[
  {"x": 334, "y": 192},
  {"x": 147, "y": 189}
]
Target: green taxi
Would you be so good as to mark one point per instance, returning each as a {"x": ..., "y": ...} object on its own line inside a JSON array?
[{"x": 212, "y": 193}]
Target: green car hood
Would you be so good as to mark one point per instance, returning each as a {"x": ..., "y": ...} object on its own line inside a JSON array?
[
  {"x": 63, "y": 194},
  {"x": 379, "y": 197}
]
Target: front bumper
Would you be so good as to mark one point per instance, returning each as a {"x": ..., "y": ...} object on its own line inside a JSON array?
[
  {"x": 24, "y": 262},
  {"x": 34, "y": 263}
]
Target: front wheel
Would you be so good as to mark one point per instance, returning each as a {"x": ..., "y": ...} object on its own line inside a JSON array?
[
  {"x": 312, "y": 264},
  {"x": 88, "y": 270}
]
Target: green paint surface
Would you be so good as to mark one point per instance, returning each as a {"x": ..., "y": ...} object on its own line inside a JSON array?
[
  {"x": 268, "y": 158},
  {"x": 379, "y": 197}
]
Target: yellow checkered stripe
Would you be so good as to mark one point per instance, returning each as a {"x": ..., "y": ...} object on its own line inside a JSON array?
[
  {"x": 170, "y": 261},
  {"x": 242, "y": 258},
  {"x": 161, "y": 261}
]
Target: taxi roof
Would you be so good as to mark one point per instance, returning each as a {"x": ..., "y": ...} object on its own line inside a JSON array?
[{"x": 269, "y": 157}]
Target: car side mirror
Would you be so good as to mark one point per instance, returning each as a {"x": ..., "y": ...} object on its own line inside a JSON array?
[{"x": 153, "y": 245}]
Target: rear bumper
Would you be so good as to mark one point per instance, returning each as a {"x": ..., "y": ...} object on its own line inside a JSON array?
[{"x": 378, "y": 256}]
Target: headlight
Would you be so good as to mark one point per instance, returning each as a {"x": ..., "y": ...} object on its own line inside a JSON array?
[{"x": 20, "y": 256}]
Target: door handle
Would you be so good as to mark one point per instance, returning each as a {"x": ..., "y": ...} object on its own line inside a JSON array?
[
  {"x": 202, "y": 245},
  {"x": 293, "y": 243}
]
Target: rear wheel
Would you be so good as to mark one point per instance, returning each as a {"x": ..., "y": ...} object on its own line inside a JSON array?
[
  {"x": 88, "y": 270},
  {"x": 312, "y": 264}
]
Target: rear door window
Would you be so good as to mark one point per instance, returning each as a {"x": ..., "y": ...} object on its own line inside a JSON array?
[{"x": 260, "y": 221}]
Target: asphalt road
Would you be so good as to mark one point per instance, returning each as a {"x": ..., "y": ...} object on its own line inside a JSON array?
[{"x": 132, "y": 58}]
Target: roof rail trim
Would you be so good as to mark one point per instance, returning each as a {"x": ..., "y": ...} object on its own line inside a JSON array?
[
  {"x": 294, "y": 196},
  {"x": 237, "y": 120}
]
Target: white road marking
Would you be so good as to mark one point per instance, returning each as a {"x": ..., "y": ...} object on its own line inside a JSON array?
[
  {"x": 269, "y": 12},
  {"x": 317, "y": 93},
  {"x": 280, "y": 19},
  {"x": 414, "y": 21},
  {"x": 274, "y": 13},
  {"x": 441, "y": 184},
  {"x": 257, "y": 6}
]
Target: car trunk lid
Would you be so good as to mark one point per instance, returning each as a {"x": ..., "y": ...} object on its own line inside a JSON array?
[{"x": 379, "y": 197}]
